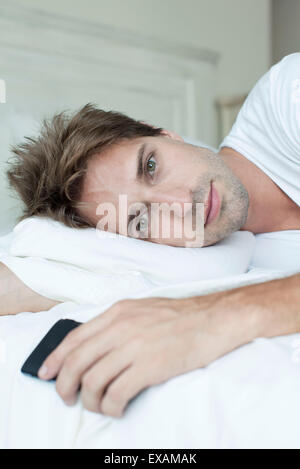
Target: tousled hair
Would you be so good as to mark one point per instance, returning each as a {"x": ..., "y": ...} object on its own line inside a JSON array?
[{"x": 48, "y": 172}]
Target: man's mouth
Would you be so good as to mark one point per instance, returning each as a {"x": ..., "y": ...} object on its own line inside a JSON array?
[
  {"x": 212, "y": 206},
  {"x": 208, "y": 205}
]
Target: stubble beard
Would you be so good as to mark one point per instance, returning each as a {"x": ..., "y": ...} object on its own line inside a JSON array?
[{"x": 235, "y": 201}]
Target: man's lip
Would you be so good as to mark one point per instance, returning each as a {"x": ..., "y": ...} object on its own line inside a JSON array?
[
  {"x": 208, "y": 205},
  {"x": 214, "y": 206}
]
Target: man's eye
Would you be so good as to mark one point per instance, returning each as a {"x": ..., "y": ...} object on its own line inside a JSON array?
[
  {"x": 151, "y": 165},
  {"x": 142, "y": 225}
]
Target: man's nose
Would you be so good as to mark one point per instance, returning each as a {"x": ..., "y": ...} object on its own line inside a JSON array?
[{"x": 173, "y": 195}]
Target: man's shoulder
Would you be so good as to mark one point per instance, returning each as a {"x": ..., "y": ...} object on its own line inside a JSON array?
[
  {"x": 285, "y": 94},
  {"x": 290, "y": 61},
  {"x": 287, "y": 70}
]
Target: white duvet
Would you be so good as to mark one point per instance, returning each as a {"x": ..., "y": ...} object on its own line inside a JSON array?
[{"x": 247, "y": 399}]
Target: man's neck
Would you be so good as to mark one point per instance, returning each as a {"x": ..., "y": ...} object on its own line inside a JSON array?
[{"x": 270, "y": 208}]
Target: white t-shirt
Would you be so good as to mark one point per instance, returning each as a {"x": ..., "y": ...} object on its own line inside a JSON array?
[{"x": 267, "y": 132}]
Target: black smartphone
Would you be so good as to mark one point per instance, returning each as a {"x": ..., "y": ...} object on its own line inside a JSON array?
[{"x": 48, "y": 344}]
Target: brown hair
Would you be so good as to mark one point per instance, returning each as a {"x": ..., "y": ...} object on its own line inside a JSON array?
[{"x": 48, "y": 171}]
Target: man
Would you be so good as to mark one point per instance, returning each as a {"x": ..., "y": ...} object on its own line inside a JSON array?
[{"x": 253, "y": 184}]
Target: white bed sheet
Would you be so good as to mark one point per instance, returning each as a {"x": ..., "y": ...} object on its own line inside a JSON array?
[{"x": 247, "y": 399}]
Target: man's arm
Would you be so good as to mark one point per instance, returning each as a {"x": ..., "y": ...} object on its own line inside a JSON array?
[
  {"x": 15, "y": 297},
  {"x": 140, "y": 343},
  {"x": 277, "y": 306}
]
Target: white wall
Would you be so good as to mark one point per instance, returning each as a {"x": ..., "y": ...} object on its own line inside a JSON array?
[
  {"x": 286, "y": 28},
  {"x": 240, "y": 30}
]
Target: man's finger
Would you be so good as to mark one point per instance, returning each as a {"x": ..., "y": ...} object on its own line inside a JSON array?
[
  {"x": 125, "y": 387},
  {"x": 53, "y": 364},
  {"x": 75, "y": 365},
  {"x": 100, "y": 375},
  {"x": 80, "y": 360}
]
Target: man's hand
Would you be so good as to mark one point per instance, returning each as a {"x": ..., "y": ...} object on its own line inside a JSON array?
[
  {"x": 141, "y": 343},
  {"x": 137, "y": 344}
]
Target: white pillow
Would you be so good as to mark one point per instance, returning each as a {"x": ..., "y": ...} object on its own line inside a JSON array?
[{"x": 71, "y": 264}]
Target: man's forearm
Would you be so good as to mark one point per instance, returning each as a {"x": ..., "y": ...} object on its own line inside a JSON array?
[
  {"x": 15, "y": 297},
  {"x": 267, "y": 309},
  {"x": 278, "y": 306}
]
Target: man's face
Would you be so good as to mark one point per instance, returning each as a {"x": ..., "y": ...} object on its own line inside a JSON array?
[{"x": 163, "y": 172}]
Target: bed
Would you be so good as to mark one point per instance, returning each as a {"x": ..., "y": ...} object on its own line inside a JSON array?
[{"x": 248, "y": 399}]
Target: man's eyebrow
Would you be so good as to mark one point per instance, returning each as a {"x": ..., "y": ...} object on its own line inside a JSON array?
[{"x": 140, "y": 162}]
